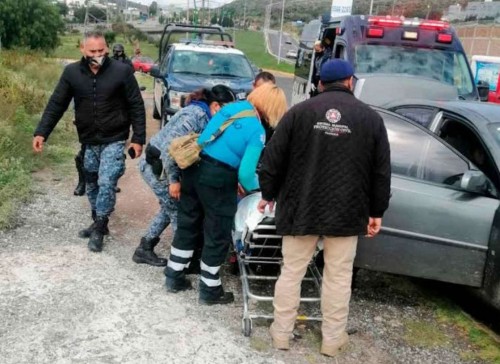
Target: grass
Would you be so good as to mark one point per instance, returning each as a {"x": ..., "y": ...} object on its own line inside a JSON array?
[
  {"x": 69, "y": 48},
  {"x": 424, "y": 334},
  {"x": 144, "y": 80},
  {"x": 253, "y": 45},
  {"x": 485, "y": 343},
  {"x": 26, "y": 82}
]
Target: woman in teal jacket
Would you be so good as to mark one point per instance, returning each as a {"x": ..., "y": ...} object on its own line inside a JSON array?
[{"x": 209, "y": 190}]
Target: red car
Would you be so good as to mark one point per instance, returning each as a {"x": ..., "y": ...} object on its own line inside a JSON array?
[{"x": 142, "y": 63}]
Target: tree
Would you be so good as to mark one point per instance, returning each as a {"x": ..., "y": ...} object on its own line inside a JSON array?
[
  {"x": 63, "y": 8},
  {"x": 79, "y": 14},
  {"x": 153, "y": 8},
  {"x": 34, "y": 24}
]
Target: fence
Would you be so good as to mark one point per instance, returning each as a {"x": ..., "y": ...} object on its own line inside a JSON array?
[{"x": 480, "y": 39}]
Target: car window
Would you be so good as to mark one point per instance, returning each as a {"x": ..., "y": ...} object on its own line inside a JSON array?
[
  {"x": 165, "y": 63},
  {"x": 211, "y": 64},
  {"x": 417, "y": 154},
  {"x": 421, "y": 115}
]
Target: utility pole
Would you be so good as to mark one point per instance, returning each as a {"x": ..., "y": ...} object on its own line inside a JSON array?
[
  {"x": 371, "y": 7},
  {"x": 281, "y": 30},
  {"x": 187, "y": 12},
  {"x": 209, "y": 18},
  {"x": 244, "y": 14},
  {"x": 393, "y": 5}
]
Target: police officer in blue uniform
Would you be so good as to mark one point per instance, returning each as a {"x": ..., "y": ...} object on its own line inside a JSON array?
[
  {"x": 193, "y": 118},
  {"x": 107, "y": 102}
]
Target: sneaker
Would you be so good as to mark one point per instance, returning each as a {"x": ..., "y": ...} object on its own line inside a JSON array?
[
  {"x": 177, "y": 285},
  {"x": 333, "y": 348},
  {"x": 225, "y": 298}
]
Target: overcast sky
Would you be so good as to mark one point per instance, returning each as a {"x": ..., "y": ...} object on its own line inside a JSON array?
[{"x": 183, "y": 3}]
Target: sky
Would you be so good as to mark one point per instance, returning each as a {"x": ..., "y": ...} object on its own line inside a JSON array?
[{"x": 183, "y": 3}]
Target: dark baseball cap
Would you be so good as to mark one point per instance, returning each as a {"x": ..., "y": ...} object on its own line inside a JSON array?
[{"x": 335, "y": 70}]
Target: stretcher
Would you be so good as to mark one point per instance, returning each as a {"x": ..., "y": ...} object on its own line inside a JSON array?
[{"x": 257, "y": 248}]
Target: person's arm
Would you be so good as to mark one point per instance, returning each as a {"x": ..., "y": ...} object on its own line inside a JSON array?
[
  {"x": 247, "y": 175},
  {"x": 56, "y": 107},
  {"x": 181, "y": 124},
  {"x": 381, "y": 173},
  {"x": 136, "y": 110},
  {"x": 275, "y": 161}
]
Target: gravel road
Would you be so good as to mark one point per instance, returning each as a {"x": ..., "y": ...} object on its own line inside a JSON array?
[{"x": 60, "y": 303}]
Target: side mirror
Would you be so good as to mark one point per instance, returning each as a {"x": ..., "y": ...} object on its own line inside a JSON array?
[
  {"x": 155, "y": 72},
  {"x": 474, "y": 181},
  {"x": 483, "y": 88}
]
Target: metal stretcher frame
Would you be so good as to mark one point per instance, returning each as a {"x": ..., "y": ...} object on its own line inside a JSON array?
[{"x": 266, "y": 232}]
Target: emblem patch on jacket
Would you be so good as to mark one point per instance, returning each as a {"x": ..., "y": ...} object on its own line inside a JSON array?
[
  {"x": 333, "y": 115},
  {"x": 330, "y": 126}
]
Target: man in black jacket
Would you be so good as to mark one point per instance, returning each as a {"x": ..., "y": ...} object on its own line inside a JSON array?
[
  {"x": 107, "y": 102},
  {"x": 328, "y": 167}
]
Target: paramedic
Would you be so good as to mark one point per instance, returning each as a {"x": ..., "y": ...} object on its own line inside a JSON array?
[{"x": 209, "y": 187}]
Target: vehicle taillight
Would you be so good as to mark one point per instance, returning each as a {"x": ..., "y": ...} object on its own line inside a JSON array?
[
  {"x": 339, "y": 31},
  {"x": 434, "y": 25},
  {"x": 444, "y": 38},
  {"x": 375, "y": 33},
  {"x": 385, "y": 21}
]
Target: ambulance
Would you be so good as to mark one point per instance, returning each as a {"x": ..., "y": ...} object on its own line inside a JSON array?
[{"x": 427, "y": 49}]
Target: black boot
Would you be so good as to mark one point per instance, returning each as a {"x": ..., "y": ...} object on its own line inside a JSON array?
[
  {"x": 177, "y": 285},
  {"x": 221, "y": 299},
  {"x": 145, "y": 253},
  {"x": 80, "y": 188},
  {"x": 85, "y": 233},
  {"x": 97, "y": 235},
  {"x": 214, "y": 295}
]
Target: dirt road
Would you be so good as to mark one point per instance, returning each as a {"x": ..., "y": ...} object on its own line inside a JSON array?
[{"x": 60, "y": 303}]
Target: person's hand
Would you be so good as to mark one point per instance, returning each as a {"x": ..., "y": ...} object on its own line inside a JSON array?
[
  {"x": 374, "y": 224},
  {"x": 262, "y": 206},
  {"x": 174, "y": 190},
  {"x": 38, "y": 143},
  {"x": 137, "y": 149},
  {"x": 241, "y": 191}
]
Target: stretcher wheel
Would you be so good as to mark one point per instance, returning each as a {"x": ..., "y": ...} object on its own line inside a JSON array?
[{"x": 247, "y": 327}]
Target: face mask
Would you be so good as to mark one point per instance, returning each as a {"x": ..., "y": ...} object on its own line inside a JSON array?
[{"x": 95, "y": 61}]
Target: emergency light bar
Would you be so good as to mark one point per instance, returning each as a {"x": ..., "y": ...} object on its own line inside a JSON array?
[
  {"x": 385, "y": 21},
  {"x": 378, "y": 23},
  {"x": 434, "y": 25}
]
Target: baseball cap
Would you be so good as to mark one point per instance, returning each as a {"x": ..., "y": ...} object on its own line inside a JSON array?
[{"x": 335, "y": 70}]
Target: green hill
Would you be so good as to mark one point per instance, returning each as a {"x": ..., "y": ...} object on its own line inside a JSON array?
[{"x": 307, "y": 10}]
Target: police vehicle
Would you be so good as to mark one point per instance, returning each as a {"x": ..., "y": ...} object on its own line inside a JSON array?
[
  {"x": 428, "y": 49},
  {"x": 193, "y": 57}
]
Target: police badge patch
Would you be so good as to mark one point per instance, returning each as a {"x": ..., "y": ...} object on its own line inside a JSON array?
[{"x": 333, "y": 115}]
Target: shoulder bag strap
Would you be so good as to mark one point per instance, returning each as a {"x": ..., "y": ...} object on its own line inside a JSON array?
[{"x": 226, "y": 124}]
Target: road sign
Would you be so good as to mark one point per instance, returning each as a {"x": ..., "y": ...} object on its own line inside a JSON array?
[{"x": 341, "y": 7}]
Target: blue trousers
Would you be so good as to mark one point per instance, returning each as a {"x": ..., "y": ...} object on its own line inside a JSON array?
[
  {"x": 168, "y": 206},
  {"x": 104, "y": 164}
]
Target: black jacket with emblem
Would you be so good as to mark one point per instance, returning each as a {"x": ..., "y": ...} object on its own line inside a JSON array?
[
  {"x": 106, "y": 103},
  {"x": 327, "y": 166}
]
